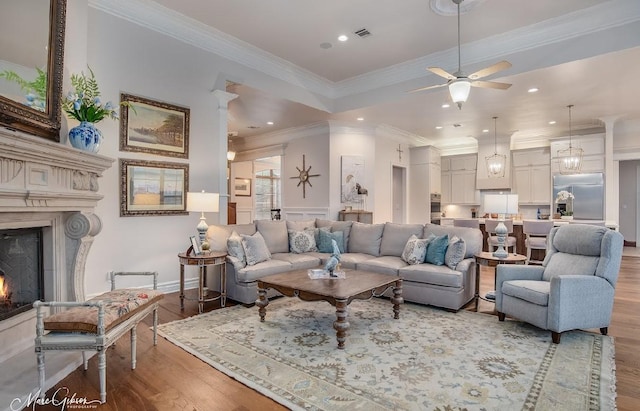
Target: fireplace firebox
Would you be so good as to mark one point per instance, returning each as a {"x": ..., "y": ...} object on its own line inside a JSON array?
[{"x": 21, "y": 270}]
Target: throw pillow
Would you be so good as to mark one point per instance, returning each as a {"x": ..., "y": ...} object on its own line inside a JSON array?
[
  {"x": 302, "y": 241},
  {"x": 235, "y": 250},
  {"x": 255, "y": 248},
  {"x": 455, "y": 252},
  {"x": 437, "y": 249},
  {"x": 324, "y": 240},
  {"x": 415, "y": 250}
]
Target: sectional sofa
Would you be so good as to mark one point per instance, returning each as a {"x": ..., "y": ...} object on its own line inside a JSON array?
[{"x": 371, "y": 247}]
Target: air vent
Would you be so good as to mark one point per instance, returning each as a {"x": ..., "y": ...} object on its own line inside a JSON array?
[
  {"x": 362, "y": 33},
  {"x": 253, "y": 127},
  {"x": 456, "y": 125}
]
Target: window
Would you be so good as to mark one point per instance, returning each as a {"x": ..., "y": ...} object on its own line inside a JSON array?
[{"x": 268, "y": 188}]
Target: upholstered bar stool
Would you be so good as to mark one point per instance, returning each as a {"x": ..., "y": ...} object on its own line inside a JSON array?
[
  {"x": 536, "y": 232},
  {"x": 492, "y": 239},
  {"x": 466, "y": 222}
]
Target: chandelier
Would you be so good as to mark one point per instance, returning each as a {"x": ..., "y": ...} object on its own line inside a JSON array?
[
  {"x": 570, "y": 159},
  {"x": 496, "y": 163}
]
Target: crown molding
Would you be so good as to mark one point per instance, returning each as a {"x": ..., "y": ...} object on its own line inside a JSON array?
[
  {"x": 402, "y": 136},
  {"x": 280, "y": 137},
  {"x": 151, "y": 15}
]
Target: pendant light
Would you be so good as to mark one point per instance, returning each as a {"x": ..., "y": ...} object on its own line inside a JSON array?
[
  {"x": 570, "y": 159},
  {"x": 497, "y": 163},
  {"x": 231, "y": 154}
]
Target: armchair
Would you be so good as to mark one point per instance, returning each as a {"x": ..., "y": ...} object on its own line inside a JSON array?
[{"x": 574, "y": 287}]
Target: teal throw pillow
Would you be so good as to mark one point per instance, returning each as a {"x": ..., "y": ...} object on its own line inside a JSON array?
[
  {"x": 324, "y": 241},
  {"x": 437, "y": 249}
]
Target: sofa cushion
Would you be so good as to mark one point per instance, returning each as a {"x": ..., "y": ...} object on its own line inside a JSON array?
[
  {"x": 437, "y": 249},
  {"x": 395, "y": 237},
  {"x": 344, "y": 226},
  {"x": 580, "y": 239},
  {"x": 536, "y": 292},
  {"x": 255, "y": 248},
  {"x": 324, "y": 240},
  {"x": 455, "y": 252},
  {"x": 275, "y": 235},
  {"x": 415, "y": 250},
  {"x": 298, "y": 261},
  {"x": 302, "y": 241},
  {"x": 217, "y": 235},
  {"x": 351, "y": 260},
  {"x": 252, "y": 273},
  {"x": 300, "y": 225},
  {"x": 471, "y": 236},
  {"x": 387, "y": 264},
  {"x": 365, "y": 238},
  {"x": 236, "y": 250},
  {"x": 572, "y": 264},
  {"x": 439, "y": 275}
]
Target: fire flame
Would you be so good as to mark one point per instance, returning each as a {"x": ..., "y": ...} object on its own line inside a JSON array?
[{"x": 3, "y": 288}]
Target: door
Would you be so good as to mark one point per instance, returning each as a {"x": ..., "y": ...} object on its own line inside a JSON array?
[{"x": 398, "y": 194}]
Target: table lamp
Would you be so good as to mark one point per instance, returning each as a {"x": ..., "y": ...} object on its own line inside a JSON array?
[
  {"x": 501, "y": 204},
  {"x": 203, "y": 202}
]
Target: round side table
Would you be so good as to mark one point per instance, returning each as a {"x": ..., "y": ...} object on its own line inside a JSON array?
[
  {"x": 488, "y": 260},
  {"x": 202, "y": 261}
]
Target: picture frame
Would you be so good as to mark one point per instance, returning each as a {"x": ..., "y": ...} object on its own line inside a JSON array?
[
  {"x": 150, "y": 188},
  {"x": 242, "y": 187},
  {"x": 153, "y": 127},
  {"x": 195, "y": 245}
]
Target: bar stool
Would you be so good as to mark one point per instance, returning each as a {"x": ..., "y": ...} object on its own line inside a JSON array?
[
  {"x": 466, "y": 222},
  {"x": 536, "y": 232},
  {"x": 492, "y": 239}
]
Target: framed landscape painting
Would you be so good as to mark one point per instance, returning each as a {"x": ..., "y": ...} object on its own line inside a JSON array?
[
  {"x": 153, "y": 188},
  {"x": 153, "y": 127}
]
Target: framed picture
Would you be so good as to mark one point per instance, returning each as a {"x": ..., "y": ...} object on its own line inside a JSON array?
[
  {"x": 352, "y": 177},
  {"x": 153, "y": 127},
  {"x": 242, "y": 187},
  {"x": 153, "y": 188},
  {"x": 195, "y": 244}
]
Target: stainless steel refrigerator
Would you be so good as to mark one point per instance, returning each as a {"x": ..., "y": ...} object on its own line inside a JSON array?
[{"x": 588, "y": 190}]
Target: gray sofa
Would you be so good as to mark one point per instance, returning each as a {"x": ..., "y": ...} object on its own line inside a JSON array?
[{"x": 371, "y": 247}]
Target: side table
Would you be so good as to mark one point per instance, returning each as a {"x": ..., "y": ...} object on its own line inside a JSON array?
[
  {"x": 488, "y": 260},
  {"x": 202, "y": 261}
]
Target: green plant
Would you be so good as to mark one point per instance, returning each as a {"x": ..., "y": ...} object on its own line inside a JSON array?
[
  {"x": 84, "y": 104},
  {"x": 36, "y": 90}
]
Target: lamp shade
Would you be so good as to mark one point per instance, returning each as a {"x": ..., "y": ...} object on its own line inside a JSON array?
[
  {"x": 501, "y": 203},
  {"x": 203, "y": 202},
  {"x": 459, "y": 90}
]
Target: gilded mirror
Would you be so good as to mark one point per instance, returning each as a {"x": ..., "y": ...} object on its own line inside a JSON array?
[{"x": 31, "y": 60}]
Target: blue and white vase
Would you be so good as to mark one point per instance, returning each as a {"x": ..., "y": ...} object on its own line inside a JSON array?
[{"x": 85, "y": 136}]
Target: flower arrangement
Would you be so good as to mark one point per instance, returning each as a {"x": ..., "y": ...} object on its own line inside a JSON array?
[
  {"x": 84, "y": 104},
  {"x": 36, "y": 90},
  {"x": 564, "y": 195}
]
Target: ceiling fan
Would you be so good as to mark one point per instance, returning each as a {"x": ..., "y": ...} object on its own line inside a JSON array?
[{"x": 459, "y": 83}]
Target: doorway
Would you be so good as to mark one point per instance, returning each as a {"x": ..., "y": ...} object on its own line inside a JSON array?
[{"x": 399, "y": 194}]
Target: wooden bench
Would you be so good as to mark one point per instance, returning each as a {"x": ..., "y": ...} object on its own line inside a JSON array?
[{"x": 96, "y": 324}]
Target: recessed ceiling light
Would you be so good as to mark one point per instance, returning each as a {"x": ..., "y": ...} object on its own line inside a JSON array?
[
  {"x": 360, "y": 119},
  {"x": 343, "y": 37},
  {"x": 446, "y": 105},
  {"x": 552, "y": 122},
  {"x": 486, "y": 130},
  {"x": 438, "y": 127},
  {"x": 533, "y": 89},
  {"x": 270, "y": 123},
  {"x": 325, "y": 45}
]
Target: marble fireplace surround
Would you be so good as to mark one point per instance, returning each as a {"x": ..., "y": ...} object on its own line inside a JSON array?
[{"x": 53, "y": 186}]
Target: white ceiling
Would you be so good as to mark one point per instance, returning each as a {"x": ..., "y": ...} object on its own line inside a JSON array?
[{"x": 581, "y": 52}]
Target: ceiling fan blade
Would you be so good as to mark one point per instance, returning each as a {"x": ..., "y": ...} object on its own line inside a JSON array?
[
  {"x": 441, "y": 73},
  {"x": 503, "y": 65},
  {"x": 428, "y": 88},
  {"x": 490, "y": 84}
]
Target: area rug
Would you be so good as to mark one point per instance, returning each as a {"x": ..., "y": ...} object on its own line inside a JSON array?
[{"x": 429, "y": 359}]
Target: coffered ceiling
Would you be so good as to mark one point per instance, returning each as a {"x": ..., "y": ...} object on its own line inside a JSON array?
[{"x": 581, "y": 52}]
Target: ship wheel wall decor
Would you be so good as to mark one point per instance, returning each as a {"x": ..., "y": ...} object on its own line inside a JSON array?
[{"x": 303, "y": 176}]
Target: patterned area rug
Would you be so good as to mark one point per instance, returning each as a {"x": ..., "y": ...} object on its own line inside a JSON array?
[{"x": 429, "y": 359}]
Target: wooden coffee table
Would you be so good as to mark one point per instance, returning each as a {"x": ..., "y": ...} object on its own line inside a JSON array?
[{"x": 358, "y": 285}]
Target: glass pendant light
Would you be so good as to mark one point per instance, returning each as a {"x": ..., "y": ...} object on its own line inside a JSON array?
[
  {"x": 497, "y": 163},
  {"x": 570, "y": 159}
]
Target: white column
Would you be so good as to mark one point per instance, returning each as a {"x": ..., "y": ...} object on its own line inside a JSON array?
[
  {"x": 611, "y": 173},
  {"x": 223, "y": 104}
]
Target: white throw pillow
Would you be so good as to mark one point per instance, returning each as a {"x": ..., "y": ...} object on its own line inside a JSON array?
[
  {"x": 455, "y": 252},
  {"x": 235, "y": 249},
  {"x": 415, "y": 250},
  {"x": 255, "y": 248}
]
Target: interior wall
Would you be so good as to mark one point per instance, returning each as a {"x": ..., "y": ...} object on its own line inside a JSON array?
[
  {"x": 315, "y": 150},
  {"x": 628, "y": 199},
  {"x": 387, "y": 155}
]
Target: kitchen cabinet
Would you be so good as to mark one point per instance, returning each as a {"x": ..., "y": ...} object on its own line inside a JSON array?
[
  {"x": 435, "y": 180},
  {"x": 458, "y": 180},
  {"x": 532, "y": 176},
  {"x": 593, "y": 152}
]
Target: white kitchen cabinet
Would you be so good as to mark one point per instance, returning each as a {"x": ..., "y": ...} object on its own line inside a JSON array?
[
  {"x": 463, "y": 188},
  {"x": 537, "y": 157},
  {"x": 446, "y": 187},
  {"x": 435, "y": 178},
  {"x": 465, "y": 162},
  {"x": 593, "y": 152},
  {"x": 533, "y": 184}
]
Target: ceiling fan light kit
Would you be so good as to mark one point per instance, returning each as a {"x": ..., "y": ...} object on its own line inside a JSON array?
[
  {"x": 496, "y": 163},
  {"x": 459, "y": 90},
  {"x": 570, "y": 159}
]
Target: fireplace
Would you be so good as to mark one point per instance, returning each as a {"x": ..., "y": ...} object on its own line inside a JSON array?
[{"x": 21, "y": 272}]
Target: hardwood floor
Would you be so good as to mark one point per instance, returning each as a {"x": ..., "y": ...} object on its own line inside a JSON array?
[{"x": 168, "y": 378}]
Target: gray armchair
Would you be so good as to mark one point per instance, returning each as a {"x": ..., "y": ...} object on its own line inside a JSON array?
[{"x": 574, "y": 287}]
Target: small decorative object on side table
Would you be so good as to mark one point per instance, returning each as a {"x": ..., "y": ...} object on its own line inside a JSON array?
[
  {"x": 202, "y": 261},
  {"x": 488, "y": 260}
]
